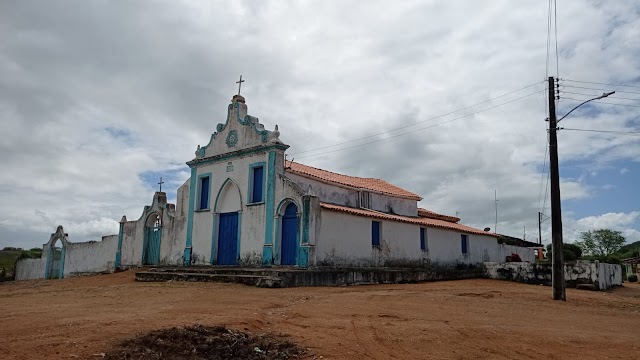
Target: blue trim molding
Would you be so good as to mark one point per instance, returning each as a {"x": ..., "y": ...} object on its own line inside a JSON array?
[
  {"x": 192, "y": 205},
  {"x": 116, "y": 265},
  {"x": 250, "y": 189},
  {"x": 267, "y": 252},
  {"x": 238, "y": 237},
  {"x": 232, "y": 138},
  {"x": 235, "y": 154},
  {"x": 214, "y": 239},
  {"x": 210, "y": 176}
]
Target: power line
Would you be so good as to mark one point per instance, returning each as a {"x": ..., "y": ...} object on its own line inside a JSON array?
[
  {"x": 605, "y": 131},
  {"x": 599, "y": 83},
  {"x": 417, "y": 123},
  {"x": 600, "y": 89},
  {"x": 546, "y": 191},
  {"x": 546, "y": 74},
  {"x": 602, "y": 102},
  {"x": 420, "y": 129},
  {"x": 609, "y": 97},
  {"x": 555, "y": 19}
]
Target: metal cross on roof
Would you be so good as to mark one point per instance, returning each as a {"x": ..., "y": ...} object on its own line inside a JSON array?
[
  {"x": 239, "y": 82},
  {"x": 160, "y": 183}
]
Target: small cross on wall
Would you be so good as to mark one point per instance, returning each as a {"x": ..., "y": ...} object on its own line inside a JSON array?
[
  {"x": 160, "y": 183},
  {"x": 239, "y": 82}
]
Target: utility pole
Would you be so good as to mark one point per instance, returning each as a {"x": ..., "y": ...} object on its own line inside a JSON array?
[
  {"x": 556, "y": 212},
  {"x": 495, "y": 196},
  {"x": 539, "y": 228}
]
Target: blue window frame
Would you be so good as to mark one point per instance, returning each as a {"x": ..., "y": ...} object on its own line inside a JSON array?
[
  {"x": 464, "y": 239},
  {"x": 258, "y": 184},
  {"x": 255, "y": 193},
  {"x": 204, "y": 193},
  {"x": 375, "y": 233},
  {"x": 423, "y": 239}
]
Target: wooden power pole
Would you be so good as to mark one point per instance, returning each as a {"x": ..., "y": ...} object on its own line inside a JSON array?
[
  {"x": 539, "y": 228},
  {"x": 556, "y": 212}
]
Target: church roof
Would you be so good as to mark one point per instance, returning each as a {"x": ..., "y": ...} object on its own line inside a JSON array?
[
  {"x": 434, "y": 215},
  {"x": 428, "y": 222},
  {"x": 375, "y": 185}
]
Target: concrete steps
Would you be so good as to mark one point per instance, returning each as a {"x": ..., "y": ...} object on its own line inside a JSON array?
[
  {"x": 277, "y": 277},
  {"x": 247, "y": 278}
]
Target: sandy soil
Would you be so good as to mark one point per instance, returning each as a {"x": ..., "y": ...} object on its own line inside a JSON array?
[{"x": 79, "y": 317}]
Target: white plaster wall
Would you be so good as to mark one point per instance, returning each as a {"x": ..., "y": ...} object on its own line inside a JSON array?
[
  {"x": 173, "y": 242},
  {"x": 445, "y": 246},
  {"x": 601, "y": 275},
  {"x": 325, "y": 192},
  {"x": 252, "y": 223},
  {"x": 393, "y": 205},
  {"x": 526, "y": 254},
  {"x": 247, "y": 136},
  {"x": 345, "y": 240},
  {"x": 182, "y": 199},
  {"x": 609, "y": 275},
  {"x": 334, "y": 194},
  {"x": 132, "y": 239},
  {"x": 91, "y": 256},
  {"x": 27, "y": 269}
]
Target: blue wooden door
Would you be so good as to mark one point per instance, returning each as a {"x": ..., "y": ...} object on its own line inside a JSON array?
[
  {"x": 228, "y": 239},
  {"x": 152, "y": 240},
  {"x": 289, "y": 242}
]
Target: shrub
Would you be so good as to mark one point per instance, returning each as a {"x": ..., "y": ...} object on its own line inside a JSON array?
[{"x": 632, "y": 278}]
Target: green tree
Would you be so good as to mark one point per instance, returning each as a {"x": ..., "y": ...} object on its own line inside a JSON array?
[
  {"x": 570, "y": 251},
  {"x": 601, "y": 242}
]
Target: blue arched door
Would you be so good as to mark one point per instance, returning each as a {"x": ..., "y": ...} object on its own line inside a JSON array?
[{"x": 289, "y": 241}]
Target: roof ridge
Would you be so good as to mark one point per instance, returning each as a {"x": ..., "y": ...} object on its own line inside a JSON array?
[{"x": 335, "y": 173}]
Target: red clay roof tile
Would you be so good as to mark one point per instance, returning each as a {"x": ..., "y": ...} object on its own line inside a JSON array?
[
  {"x": 371, "y": 184},
  {"x": 434, "y": 215},
  {"x": 411, "y": 220}
]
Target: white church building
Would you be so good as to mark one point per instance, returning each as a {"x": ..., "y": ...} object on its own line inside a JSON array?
[{"x": 245, "y": 205}]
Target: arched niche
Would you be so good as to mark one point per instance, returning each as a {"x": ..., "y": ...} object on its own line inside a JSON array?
[{"x": 229, "y": 198}]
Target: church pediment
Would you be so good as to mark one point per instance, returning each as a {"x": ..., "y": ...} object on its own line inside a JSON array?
[{"x": 239, "y": 131}]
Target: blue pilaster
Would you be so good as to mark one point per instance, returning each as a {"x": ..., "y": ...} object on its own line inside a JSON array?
[
  {"x": 267, "y": 252},
  {"x": 192, "y": 202}
]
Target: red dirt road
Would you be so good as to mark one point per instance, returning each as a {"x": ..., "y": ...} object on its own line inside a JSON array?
[{"x": 468, "y": 319}]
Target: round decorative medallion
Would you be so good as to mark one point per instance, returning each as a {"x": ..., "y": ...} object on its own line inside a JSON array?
[{"x": 232, "y": 138}]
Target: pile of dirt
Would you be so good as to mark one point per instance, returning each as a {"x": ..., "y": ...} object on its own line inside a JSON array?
[{"x": 204, "y": 342}]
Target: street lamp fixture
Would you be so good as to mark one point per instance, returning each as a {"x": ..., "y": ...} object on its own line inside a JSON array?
[{"x": 604, "y": 95}]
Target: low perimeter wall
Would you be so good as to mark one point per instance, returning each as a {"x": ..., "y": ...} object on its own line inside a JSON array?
[{"x": 602, "y": 276}]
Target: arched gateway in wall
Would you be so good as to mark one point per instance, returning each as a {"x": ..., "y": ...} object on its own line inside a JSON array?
[
  {"x": 55, "y": 248},
  {"x": 152, "y": 239}
]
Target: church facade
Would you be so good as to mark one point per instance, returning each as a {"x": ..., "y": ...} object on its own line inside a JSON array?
[{"x": 245, "y": 204}]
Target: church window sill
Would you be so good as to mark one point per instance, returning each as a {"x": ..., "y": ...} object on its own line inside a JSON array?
[
  {"x": 202, "y": 210},
  {"x": 256, "y": 203}
]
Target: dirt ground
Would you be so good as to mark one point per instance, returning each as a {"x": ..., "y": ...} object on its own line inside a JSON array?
[{"x": 79, "y": 317}]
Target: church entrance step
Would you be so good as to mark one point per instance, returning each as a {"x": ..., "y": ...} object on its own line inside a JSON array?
[
  {"x": 281, "y": 277},
  {"x": 247, "y": 279}
]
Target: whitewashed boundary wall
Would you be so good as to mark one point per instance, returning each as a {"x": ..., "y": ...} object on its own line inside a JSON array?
[
  {"x": 72, "y": 259},
  {"x": 602, "y": 276}
]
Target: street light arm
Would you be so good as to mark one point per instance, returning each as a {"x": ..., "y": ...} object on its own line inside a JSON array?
[{"x": 604, "y": 95}]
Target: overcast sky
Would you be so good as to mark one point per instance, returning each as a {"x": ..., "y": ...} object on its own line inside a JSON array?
[{"x": 98, "y": 99}]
